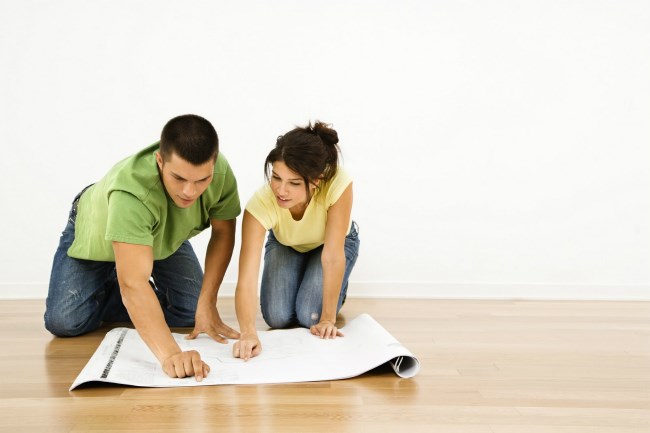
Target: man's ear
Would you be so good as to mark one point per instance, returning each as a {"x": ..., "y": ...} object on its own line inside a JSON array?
[{"x": 159, "y": 160}]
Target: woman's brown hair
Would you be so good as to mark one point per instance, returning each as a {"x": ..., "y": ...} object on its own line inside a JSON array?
[{"x": 311, "y": 151}]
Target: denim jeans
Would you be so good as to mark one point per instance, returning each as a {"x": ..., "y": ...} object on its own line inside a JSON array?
[
  {"x": 85, "y": 293},
  {"x": 292, "y": 283}
]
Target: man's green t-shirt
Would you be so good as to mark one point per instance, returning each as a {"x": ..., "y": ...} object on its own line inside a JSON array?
[{"x": 130, "y": 204}]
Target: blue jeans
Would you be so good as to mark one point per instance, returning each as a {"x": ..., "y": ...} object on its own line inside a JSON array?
[
  {"x": 292, "y": 283},
  {"x": 85, "y": 293}
]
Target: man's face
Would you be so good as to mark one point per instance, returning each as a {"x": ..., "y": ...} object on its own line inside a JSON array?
[{"x": 184, "y": 181}]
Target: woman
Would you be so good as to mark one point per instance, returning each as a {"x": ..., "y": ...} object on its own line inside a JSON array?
[{"x": 312, "y": 242}]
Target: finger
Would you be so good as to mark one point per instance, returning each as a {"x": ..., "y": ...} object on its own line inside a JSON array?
[
  {"x": 257, "y": 350},
  {"x": 206, "y": 369},
  {"x": 313, "y": 330},
  {"x": 179, "y": 368},
  {"x": 227, "y": 331},
  {"x": 197, "y": 366},
  {"x": 339, "y": 333},
  {"x": 247, "y": 352},
  {"x": 216, "y": 337},
  {"x": 235, "y": 350},
  {"x": 192, "y": 335},
  {"x": 188, "y": 364},
  {"x": 168, "y": 368},
  {"x": 243, "y": 348},
  {"x": 242, "y": 351}
]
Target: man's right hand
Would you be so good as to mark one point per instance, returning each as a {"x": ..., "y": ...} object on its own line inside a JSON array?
[{"x": 186, "y": 364}]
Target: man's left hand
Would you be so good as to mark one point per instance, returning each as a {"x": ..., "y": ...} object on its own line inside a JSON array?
[{"x": 208, "y": 321}]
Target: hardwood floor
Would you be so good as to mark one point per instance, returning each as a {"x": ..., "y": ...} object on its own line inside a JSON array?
[{"x": 487, "y": 367}]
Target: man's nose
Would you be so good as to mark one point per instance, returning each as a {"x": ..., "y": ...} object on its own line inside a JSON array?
[{"x": 189, "y": 190}]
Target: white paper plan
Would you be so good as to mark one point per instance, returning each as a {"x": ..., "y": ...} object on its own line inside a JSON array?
[{"x": 288, "y": 355}]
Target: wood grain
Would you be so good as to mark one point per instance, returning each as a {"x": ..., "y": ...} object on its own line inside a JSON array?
[{"x": 487, "y": 367}]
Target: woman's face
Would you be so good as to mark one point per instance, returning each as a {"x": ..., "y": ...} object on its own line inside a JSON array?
[{"x": 289, "y": 187}]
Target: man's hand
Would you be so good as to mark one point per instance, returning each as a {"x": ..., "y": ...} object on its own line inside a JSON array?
[
  {"x": 186, "y": 364},
  {"x": 326, "y": 329},
  {"x": 247, "y": 347},
  {"x": 208, "y": 321}
]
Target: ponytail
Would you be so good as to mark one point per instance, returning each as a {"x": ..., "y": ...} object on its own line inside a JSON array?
[{"x": 330, "y": 139}]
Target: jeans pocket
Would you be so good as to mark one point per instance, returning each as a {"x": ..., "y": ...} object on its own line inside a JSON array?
[
  {"x": 352, "y": 242},
  {"x": 271, "y": 243}
]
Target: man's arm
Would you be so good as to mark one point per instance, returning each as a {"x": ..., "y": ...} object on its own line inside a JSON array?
[
  {"x": 134, "y": 264},
  {"x": 217, "y": 258}
]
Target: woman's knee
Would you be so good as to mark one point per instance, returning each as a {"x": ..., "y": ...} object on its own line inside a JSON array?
[
  {"x": 308, "y": 316},
  {"x": 278, "y": 321},
  {"x": 278, "y": 316}
]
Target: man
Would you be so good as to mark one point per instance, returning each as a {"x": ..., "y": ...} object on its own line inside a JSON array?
[{"x": 133, "y": 226}]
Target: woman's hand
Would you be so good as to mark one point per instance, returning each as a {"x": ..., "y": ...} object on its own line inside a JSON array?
[
  {"x": 247, "y": 347},
  {"x": 326, "y": 329}
]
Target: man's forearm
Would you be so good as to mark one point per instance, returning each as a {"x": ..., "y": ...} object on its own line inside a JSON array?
[
  {"x": 217, "y": 258},
  {"x": 149, "y": 320}
]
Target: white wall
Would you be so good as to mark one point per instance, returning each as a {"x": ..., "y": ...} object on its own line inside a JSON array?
[{"x": 499, "y": 148}]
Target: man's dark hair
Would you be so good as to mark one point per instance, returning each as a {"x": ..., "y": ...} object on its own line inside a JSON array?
[{"x": 191, "y": 137}]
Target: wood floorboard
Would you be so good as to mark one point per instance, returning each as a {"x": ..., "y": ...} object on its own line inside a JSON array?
[{"x": 487, "y": 367}]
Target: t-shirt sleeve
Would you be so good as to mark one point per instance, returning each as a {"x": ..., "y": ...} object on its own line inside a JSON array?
[
  {"x": 228, "y": 206},
  {"x": 261, "y": 207},
  {"x": 337, "y": 186},
  {"x": 128, "y": 220}
]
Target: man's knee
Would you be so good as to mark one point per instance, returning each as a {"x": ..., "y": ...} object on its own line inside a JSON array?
[{"x": 64, "y": 325}]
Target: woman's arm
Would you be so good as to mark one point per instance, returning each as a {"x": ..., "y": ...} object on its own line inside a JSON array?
[
  {"x": 246, "y": 292},
  {"x": 333, "y": 261}
]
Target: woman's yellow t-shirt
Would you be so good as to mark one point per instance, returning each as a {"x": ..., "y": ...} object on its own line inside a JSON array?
[{"x": 309, "y": 232}]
